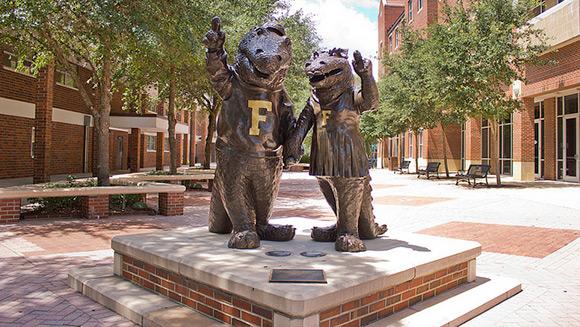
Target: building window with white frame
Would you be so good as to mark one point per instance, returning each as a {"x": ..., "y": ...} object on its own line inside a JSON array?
[
  {"x": 420, "y": 143},
  {"x": 64, "y": 78},
  {"x": 505, "y": 146},
  {"x": 150, "y": 141},
  {"x": 485, "y": 138},
  {"x": 419, "y": 5},
  {"x": 410, "y": 7},
  {"x": 411, "y": 153},
  {"x": 11, "y": 62},
  {"x": 32, "y": 143}
]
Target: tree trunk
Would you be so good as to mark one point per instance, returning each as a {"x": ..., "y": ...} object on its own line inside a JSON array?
[
  {"x": 171, "y": 127},
  {"x": 401, "y": 148},
  {"x": 444, "y": 147},
  {"x": 415, "y": 139},
  {"x": 208, "y": 138},
  {"x": 103, "y": 122},
  {"x": 192, "y": 137},
  {"x": 494, "y": 149}
]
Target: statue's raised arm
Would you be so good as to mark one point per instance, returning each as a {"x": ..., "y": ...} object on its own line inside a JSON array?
[
  {"x": 216, "y": 59},
  {"x": 367, "y": 98}
]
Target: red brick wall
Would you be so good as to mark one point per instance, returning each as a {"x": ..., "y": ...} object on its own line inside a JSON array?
[
  {"x": 15, "y": 143},
  {"x": 523, "y": 132},
  {"x": 113, "y": 153},
  {"x": 426, "y": 16},
  {"x": 70, "y": 99},
  {"x": 147, "y": 158},
  {"x": 16, "y": 86},
  {"x": 473, "y": 139},
  {"x": 435, "y": 147},
  {"x": 66, "y": 153},
  {"x": 564, "y": 74},
  {"x": 550, "y": 139}
]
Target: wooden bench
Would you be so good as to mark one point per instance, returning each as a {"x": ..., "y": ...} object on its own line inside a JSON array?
[
  {"x": 94, "y": 199},
  {"x": 473, "y": 173},
  {"x": 201, "y": 176},
  {"x": 403, "y": 166},
  {"x": 432, "y": 168}
]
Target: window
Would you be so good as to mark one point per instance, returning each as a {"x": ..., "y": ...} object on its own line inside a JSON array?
[
  {"x": 420, "y": 143},
  {"x": 150, "y": 140},
  {"x": 505, "y": 147},
  {"x": 397, "y": 38},
  {"x": 463, "y": 146},
  {"x": 166, "y": 144},
  {"x": 539, "y": 139},
  {"x": 419, "y": 5},
  {"x": 566, "y": 135},
  {"x": 485, "y": 131},
  {"x": 64, "y": 79},
  {"x": 32, "y": 143},
  {"x": 539, "y": 9},
  {"x": 410, "y": 7},
  {"x": 411, "y": 153},
  {"x": 11, "y": 62},
  {"x": 390, "y": 43}
]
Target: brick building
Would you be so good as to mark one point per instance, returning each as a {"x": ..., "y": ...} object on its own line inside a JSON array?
[
  {"x": 542, "y": 141},
  {"x": 46, "y": 131}
]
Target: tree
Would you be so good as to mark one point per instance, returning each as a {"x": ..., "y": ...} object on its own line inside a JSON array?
[
  {"x": 91, "y": 32},
  {"x": 404, "y": 103},
  {"x": 164, "y": 49},
  {"x": 477, "y": 53}
]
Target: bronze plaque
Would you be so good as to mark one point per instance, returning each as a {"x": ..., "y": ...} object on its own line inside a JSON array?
[{"x": 306, "y": 276}]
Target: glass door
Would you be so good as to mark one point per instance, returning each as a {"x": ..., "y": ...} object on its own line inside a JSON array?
[
  {"x": 571, "y": 137},
  {"x": 539, "y": 140}
]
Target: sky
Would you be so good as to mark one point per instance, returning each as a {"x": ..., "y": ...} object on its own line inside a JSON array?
[{"x": 350, "y": 24}]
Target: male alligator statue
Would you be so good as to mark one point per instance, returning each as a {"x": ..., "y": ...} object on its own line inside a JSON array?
[{"x": 254, "y": 122}]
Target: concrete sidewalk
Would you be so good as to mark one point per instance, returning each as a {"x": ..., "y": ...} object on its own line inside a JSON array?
[{"x": 528, "y": 231}]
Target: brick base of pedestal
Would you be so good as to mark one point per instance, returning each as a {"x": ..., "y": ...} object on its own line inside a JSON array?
[
  {"x": 171, "y": 204},
  {"x": 9, "y": 211},
  {"x": 210, "y": 301},
  {"x": 381, "y": 304},
  {"x": 233, "y": 310},
  {"x": 95, "y": 207}
]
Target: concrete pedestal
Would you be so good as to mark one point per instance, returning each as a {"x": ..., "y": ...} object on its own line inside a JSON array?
[{"x": 196, "y": 268}]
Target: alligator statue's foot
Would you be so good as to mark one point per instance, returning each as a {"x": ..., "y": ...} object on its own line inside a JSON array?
[
  {"x": 244, "y": 240},
  {"x": 380, "y": 229},
  {"x": 377, "y": 231},
  {"x": 349, "y": 243},
  {"x": 278, "y": 233},
  {"x": 324, "y": 234}
]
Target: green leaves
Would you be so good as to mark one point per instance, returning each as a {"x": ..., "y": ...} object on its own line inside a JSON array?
[{"x": 460, "y": 68}]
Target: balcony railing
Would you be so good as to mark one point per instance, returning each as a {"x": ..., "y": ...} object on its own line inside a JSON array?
[{"x": 560, "y": 23}]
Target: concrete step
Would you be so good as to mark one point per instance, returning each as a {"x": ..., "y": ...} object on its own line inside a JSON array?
[
  {"x": 133, "y": 302},
  {"x": 456, "y": 306},
  {"x": 145, "y": 308}
]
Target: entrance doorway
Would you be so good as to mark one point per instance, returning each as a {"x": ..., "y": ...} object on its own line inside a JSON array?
[
  {"x": 119, "y": 151},
  {"x": 568, "y": 138},
  {"x": 571, "y": 149},
  {"x": 539, "y": 140}
]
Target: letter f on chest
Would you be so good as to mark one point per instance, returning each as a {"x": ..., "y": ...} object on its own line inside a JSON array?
[{"x": 255, "y": 106}]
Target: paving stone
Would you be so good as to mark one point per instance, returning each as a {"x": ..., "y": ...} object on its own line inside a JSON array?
[{"x": 36, "y": 255}]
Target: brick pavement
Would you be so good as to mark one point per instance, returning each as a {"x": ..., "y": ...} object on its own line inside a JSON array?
[
  {"x": 531, "y": 241},
  {"x": 35, "y": 256}
]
